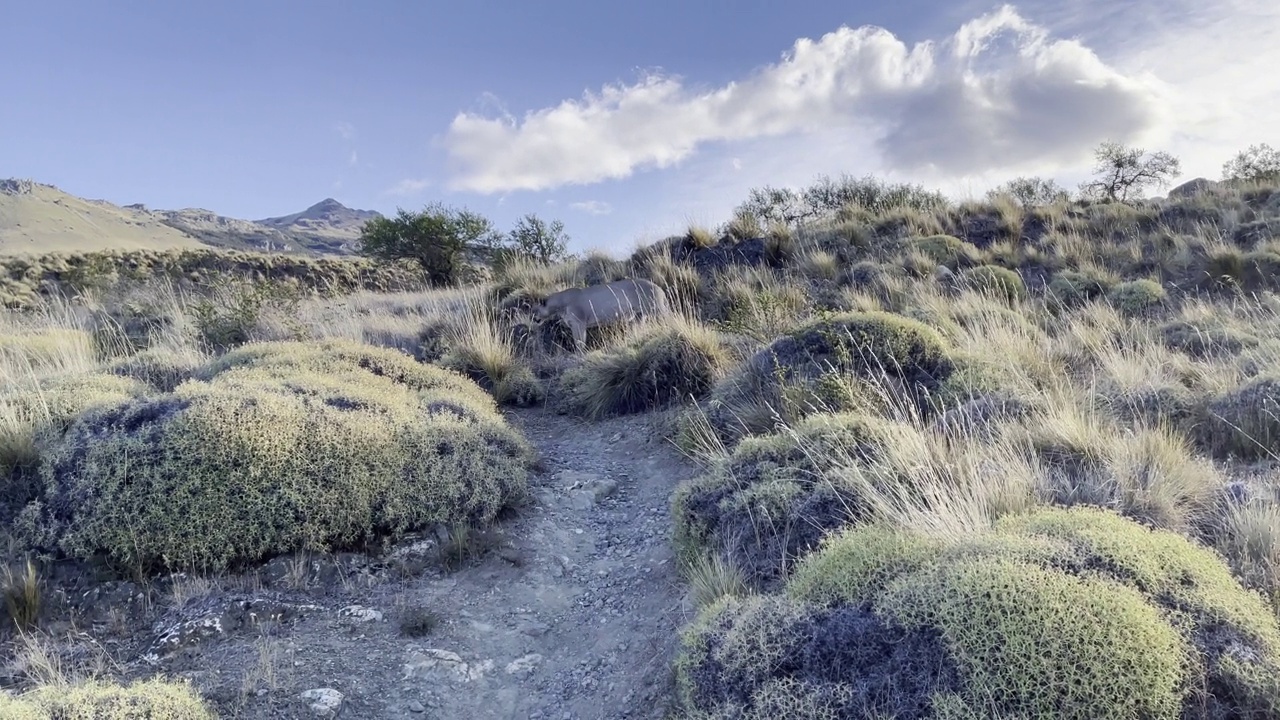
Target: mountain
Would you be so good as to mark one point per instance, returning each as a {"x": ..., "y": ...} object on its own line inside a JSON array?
[
  {"x": 328, "y": 224},
  {"x": 38, "y": 218}
]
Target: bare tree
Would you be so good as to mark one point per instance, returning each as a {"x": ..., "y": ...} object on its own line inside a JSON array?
[
  {"x": 1122, "y": 173},
  {"x": 1031, "y": 191}
]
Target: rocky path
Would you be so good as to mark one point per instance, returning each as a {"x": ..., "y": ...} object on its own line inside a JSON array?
[{"x": 573, "y": 614}]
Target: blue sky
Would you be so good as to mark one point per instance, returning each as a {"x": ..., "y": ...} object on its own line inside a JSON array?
[{"x": 626, "y": 121}]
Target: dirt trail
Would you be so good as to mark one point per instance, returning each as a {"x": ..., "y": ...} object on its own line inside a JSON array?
[{"x": 573, "y": 615}]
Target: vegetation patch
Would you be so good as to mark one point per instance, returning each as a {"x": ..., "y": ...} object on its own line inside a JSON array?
[
  {"x": 154, "y": 699},
  {"x": 1064, "y": 613},
  {"x": 286, "y": 447},
  {"x": 771, "y": 500},
  {"x": 663, "y": 365},
  {"x": 994, "y": 280},
  {"x": 1138, "y": 297}
]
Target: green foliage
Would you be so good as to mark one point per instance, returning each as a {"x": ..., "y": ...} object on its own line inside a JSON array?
[
  {"x": 435, "y": 238},
  {"x": 1257, "y": 164},
  {"x": 230, "y": 318},
  {"x": 25, "y": 280},
  {"x": 1072, "y": 288},
  {"x": 948, "y": 250},
  {"x": 1031, "y": 192},
  {"x": 827, "y": 198},
  {"x": 1058, "y": 613},
  {"x": 768, "y": 502},
  {"x": 1121, "y": 173},
  {"x": 1138, "y": 297},
  {"x": 534, "y": 238},
  {"x": 286, "y": 447},
  {"x": 994, "y": 280},
  {"x": 662, "y": 366},
  {"x": 153, "y": 699}
]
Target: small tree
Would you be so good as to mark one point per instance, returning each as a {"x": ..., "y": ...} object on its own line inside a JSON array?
[
  {"x": 1031, "y": 191},
  {"x": 534, "y": 238},
  {"x": 436, "y": 238},
  {"x": 1121, "y": 173},
  {"x": 770, "y": 205},
  {"x": 1260, "y": 163}
]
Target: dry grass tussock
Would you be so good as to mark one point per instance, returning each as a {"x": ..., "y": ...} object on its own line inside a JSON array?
[{"x": 1088, "y": 359}]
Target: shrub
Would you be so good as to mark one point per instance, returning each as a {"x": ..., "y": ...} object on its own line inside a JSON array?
[
  {"x": 1075, "y": 613},
  {"x": 152, "y": 699},
  {"x": 1244, "y": 423},
  {"x": 288, "y": 448},
  {"x": 948, "y": 250},
  {"x": 1137, "y": 297},
  {"x": 159, "y": 367},
  {"x": 1072, "y": 288},
  {"x": 768, "y": 502},
  {"x": 843, "y": 361},
  {"x": 32, "y": 418},
  {"x": 994, "y": 280},
  {"x": 662, "y": 366},
  {"x": 867, "y": 344},
  {"x": 1206, "y": 338}
]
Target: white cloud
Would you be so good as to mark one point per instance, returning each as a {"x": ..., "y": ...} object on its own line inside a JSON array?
[
  {"x": 408, "y": 187},
  {"x": 593, "y": 207},
  {"x": 998, "y": 92},
  {"x": 345, "y": 129},
  {"x": 355, "y": 158}
]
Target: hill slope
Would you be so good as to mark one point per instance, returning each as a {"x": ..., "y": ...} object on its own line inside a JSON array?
[{"x": 37, "y": 218}]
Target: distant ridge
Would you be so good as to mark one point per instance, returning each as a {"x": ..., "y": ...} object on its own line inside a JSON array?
[{"x": 38, "y": 218}]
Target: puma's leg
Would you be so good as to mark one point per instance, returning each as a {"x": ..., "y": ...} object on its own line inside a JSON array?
[{"x": 579, "y": 329}]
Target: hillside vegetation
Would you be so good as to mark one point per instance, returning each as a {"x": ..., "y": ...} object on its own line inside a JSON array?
[{"x": 1009, "y": 458}]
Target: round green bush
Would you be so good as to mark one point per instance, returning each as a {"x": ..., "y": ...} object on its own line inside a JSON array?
[
  {"x": 1059, "y": 613},
  {"x": 662, "y": 366},
  {"x": 769, "y": 502},
  {"x": 948, "y": 250},
  {"x": 1072, "y": 288},
  {"x": 271, "y": 457},
  {"x": 995, "y": 280},
  {"x": 1137, "y": 297},
  {"x": 836, "y": 362},
  {"x": 338, "y": 355},
  {"x": 152, "y": 699},
  {"x": 867, "y": 344}
]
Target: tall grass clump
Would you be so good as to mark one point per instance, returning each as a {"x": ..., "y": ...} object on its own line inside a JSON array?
[{"x": 660, "y": 366}]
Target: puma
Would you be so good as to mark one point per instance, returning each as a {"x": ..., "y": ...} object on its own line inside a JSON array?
[{"x": 588, "y": 307}]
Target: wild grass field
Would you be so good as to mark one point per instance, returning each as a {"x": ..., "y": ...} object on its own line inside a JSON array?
[{"x": 994, "y": 459}]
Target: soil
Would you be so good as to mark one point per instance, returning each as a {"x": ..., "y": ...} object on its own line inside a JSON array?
[{"x": 570, "y": 609}]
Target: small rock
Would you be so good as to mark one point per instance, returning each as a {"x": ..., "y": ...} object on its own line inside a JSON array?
[
  {"x": 511, "y": 555},
  {"x": 417, "y": 707},
  {"x": 524, "y": 666},
  {"x": 361, "y": 613},
  {"x": 323, "y": 701},
  {"x": 535, "y": 629},
  {"x": 603, "y": 489}
]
